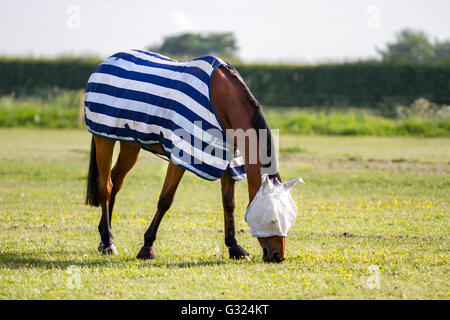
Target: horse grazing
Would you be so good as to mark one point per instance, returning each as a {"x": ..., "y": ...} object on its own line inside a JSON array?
[{"x": 141, "y": 99}]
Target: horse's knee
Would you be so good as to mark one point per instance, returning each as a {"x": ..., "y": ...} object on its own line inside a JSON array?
[
  {"x": 228, "y": 202},
  {"x": 164, "y": 202}
]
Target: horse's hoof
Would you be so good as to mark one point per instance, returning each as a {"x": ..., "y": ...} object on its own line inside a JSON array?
[
  {"x": 237, "y": 252},
  {"x": 146, "y": 252},
  {"x": 110, "y": 250},
  {"x": 101, "y": 246}
]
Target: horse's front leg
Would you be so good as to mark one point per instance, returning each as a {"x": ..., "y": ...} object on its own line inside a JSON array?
[
  {"x": 228, "y": 201},
  {"x": 173, "y": 177}
]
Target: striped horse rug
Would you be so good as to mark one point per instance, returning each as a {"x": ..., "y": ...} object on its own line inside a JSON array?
[{"x": 151, "y": 99}]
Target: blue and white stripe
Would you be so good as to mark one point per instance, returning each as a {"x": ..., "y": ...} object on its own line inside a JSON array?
[{"x": 149, "y": 98}]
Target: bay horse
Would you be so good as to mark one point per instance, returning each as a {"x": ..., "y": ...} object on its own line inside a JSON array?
[{"x": 235, "y": 108}]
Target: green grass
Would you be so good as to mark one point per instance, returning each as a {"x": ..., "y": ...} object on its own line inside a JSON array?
[
  {"x": 44, "y": 108},
  {"x": 26, "y": 115},
  {"x": 354, "y": 123},
  {"x": 367, "y": 202}
]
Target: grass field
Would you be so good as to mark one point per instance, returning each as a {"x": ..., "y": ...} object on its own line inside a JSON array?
[{"x": 373, "y": 222}]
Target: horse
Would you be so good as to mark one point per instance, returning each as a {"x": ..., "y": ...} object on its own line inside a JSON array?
[{"x": 235, "y": 108}]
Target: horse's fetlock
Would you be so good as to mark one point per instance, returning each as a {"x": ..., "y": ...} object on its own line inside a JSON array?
[
  {"x": 231, "y": 241},
  {"x": 237, "y": 252}
]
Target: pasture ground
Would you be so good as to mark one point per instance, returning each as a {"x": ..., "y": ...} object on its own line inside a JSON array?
[{"x": 373, "y": 223}]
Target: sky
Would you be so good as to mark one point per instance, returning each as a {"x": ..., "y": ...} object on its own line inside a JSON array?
[{"x": 266, "y": 31}]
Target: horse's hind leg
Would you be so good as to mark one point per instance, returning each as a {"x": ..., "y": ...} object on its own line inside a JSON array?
[
  {"x": 129, "y": 153},
  {"x": 104, "y": 152},
  {"x": 173, "y": 177},
  {"x": 234, "y": 249}
]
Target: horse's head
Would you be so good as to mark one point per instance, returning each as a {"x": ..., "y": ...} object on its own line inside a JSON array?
[
  {"x": 270, "y": 215},
  {"x": 274, "y": 248}
]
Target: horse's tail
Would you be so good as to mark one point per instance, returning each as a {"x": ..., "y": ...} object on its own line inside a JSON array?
[{"x": 92, "y": 179}]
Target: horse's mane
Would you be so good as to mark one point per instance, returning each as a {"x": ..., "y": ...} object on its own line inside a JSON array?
[{"x": 258, "y": 120}]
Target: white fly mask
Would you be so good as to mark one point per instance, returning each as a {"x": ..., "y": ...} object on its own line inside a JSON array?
[{"x": 272, "y": 212}]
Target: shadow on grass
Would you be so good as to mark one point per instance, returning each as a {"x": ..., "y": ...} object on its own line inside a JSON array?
[
  {"x": 23, "y": 260},
  {"x": 53, "y": 260}
]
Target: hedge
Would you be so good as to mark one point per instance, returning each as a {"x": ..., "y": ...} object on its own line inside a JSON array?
[
  {"x": 364, "y": 84},
  {"x": 351, "y": 84},
  {"x": 28, "y": 74}
]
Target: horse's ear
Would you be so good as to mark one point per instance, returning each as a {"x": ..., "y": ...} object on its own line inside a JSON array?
[
  {"x": 290, "y": 184},
  {"x": 266, "y": 184}
]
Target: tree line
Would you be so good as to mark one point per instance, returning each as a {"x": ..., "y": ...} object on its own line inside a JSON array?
[{"x": 409, "y": 46}]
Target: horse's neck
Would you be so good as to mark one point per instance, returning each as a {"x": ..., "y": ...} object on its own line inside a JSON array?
[{"x": 237, "y": 109}]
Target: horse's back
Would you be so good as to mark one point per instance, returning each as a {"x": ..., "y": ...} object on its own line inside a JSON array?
[{"x": 149, "y": 98}]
